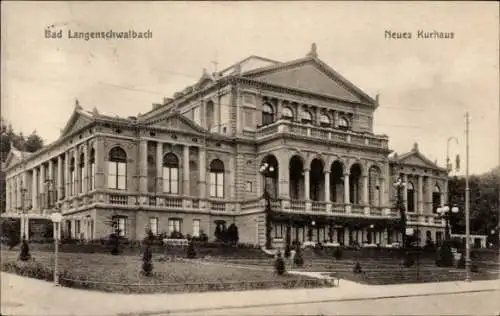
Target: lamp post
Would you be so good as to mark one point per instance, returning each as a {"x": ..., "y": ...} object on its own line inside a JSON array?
[
  {"x": 56, "y": 220},
  {"x": 371, "y": 234},
  {"x": 400, "y": 185},
  {"x": 446, "y": 212},
  {"x": 23, "y": 211},
  {"x": 266, "y": 170}
]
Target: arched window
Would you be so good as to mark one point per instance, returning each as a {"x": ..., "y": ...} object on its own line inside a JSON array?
[
  {"x": 343, "y": 123},
  {"x": 217, "y": 178},
  {"x": 306, "y": 117},
  {"x": 72, "y": 178},
  {"x": 436, "y": 199},
  {"x": 287, "y": 114},
  {"x": 171, "y": 173},
  {"x": 91, "y": 170},
  {"x": 410, "y": 197},
  {"x": 117, "y": 169},
  {"x": 81, "y": 172},
  {"x": 267, "y": 114},
  {"x": 324, "y": 120}
]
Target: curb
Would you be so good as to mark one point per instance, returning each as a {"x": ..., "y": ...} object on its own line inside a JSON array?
[{"x": 351, "y": 299}]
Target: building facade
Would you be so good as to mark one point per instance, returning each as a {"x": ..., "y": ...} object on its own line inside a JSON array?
[{"x": 192, "y": 164}]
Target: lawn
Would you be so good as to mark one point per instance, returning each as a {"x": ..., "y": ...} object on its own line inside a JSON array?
[
  {"x": 383, "y": 270},
  {"x": 123, "y": 274}
]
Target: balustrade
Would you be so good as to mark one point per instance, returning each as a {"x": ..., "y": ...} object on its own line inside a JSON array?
[
  {"x": 320, "y": 132},
  {"x": 318, "y": 206}
]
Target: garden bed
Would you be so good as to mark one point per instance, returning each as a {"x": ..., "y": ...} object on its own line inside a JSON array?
[{"x": 123, "y": 274}]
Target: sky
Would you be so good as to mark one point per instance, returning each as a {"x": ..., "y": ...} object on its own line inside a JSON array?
[{"x": 426, "y": 85}]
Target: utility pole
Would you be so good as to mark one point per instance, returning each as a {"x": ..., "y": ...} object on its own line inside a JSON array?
[{"x": 467, "y": 206}]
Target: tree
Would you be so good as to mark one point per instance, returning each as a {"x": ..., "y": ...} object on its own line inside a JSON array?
[
  {"x": 191, "y": 252},
  {"x": 298, "y": 260},
  {"x": 114, "y": 240},
  {"x": 9, "y": 137},
  {"x": 232, "y": 234},
  {"x": 25, "y": 251},
  {"x": 147, "y": 261},
  {"x": 357, "y": 268}
]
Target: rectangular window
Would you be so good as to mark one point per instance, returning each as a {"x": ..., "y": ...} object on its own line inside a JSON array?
[
  {"x": 77, "y": 229},
  {"x": 153, "y": 225},
  {"x": 196, "y": 228},
  {"x": 120, "y": 223},
  {"x": 213, "y": 184},
  {"x": 72, "y": 182},
  {"x": 92, "y": 177},
  {"x": 278, "y": 231},
  {"x": 82, "y": 176},
  {"x": 196, "y": 115},
  {"x": 117, "y": 175},
  {"x": 171, "y": 180},
  {"x": 220, "y": 184},
  {"x": 174, "y": 225},
  {"x": 249, "y": 186}
]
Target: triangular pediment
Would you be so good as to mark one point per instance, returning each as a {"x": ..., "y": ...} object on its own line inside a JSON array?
[
  {"x": 76, "y": 122},
  {"x": 177, "y": 122},
  {"x": 311, "y": 75},
  {"x": 417, "y": 159}
]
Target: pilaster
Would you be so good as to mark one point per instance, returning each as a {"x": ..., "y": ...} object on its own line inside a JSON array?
[
  {"x": 159, "y": 167},
  {"x": 185, "y": 170}
]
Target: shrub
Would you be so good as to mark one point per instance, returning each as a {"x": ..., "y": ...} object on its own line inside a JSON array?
[
  {"x": 114, "y": 241},
  {"x": 232, "y": 234},
  {"x": 147, "y": 261},
  {"x": 298, "y": 260},
  {"x": 408, "y": 260},
  {"x": 287, "y": 250},
  {"x": 357, "y": 268},
  {"x": 337, "y": 253},
  {"x": 279, "y": 264},
  {"x": 461, "y": 264},
  {"x": 444, "y": 256},
  {"x": 25, "y": 251},
  {"x": 191, "y": 252}
]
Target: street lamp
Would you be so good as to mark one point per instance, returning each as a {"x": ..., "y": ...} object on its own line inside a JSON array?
[
  {"x": 446, "y": 212},
  {"x": 371, "y": 239},
  {"x": 266, "y": 170},
  {"x": 56, "y": 220}
]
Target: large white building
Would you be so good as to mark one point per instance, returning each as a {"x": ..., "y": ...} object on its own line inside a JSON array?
[{"x": 192, "y": 163}]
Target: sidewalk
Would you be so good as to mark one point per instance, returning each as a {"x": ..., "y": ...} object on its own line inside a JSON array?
[{"x": 24, "y": 296}]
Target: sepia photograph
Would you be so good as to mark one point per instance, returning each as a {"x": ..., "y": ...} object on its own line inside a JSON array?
[{"x": 250, "y": 158}]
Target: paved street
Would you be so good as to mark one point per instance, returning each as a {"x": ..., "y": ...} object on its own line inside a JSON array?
[
  {"x": 479, "y": 303},
  {"x": 25, "y": 296}
]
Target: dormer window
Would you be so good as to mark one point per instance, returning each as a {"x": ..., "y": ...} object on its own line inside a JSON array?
[
  {"x": 324, "y": 120},
  {"x": 287, "y": 114},
  {"x": 306, "y": 117},
  {"x": 267, "y": 114},
  {"x": 343, "y": 123}
]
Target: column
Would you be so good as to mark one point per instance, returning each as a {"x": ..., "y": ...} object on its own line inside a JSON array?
[
  {"x": 279, "y": 109},
  {"x": 7, "y": 195},
  {"x": 366, "y": 198},
  {"x": 420, "y": 194},
  {"x": 306, "y": 184},
  {"x": 381, "y": 190},
  {"x": 99, "y": 163},
  {"x": 51, "y": 184},
  {"x": 185, "y": 171},
  {"x": 203, "y": 173},
  {"x": 346, "y": 189},
  {"x": 43, "y": 200},
  {"x": 60, "y": 185},
  {"x": 284, "y": 176},
  {"x": 86, "y": 155},
  {"x": 405, "y": 191},
  {"x": 143, "y": 166},
  {"x": 428, "y": 194},
  {"x": 444, "y": 200},
  {"x": 327, "y": 186},
  {"x": 159, "y": 167},
  {"x": 67, "y": 158},
  {"x": 34, "y": 192}
]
